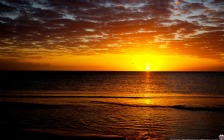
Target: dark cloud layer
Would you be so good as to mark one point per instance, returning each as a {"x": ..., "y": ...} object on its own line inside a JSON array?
[
  {"x": 12, "y": 64},
  {"x": 191, "y": 27}
]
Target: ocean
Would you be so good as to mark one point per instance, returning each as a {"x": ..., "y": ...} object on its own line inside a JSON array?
[{"x": 134, "y": 105}]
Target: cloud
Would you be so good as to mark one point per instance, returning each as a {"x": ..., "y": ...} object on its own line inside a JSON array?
[
  {"x": 13, "y": 64},
  {"x": 82, "y": 27},
  {"x": 218, "y": 2}
]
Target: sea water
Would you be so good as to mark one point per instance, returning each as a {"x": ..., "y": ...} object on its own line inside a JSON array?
[{"x": 136, "y": 105}]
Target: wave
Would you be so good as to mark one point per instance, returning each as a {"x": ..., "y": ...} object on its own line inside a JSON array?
[
  {"x": 182, "y": 107},
  {"x": 178, "y": 107},
  {"x": 46, "y": 134},
  {"x": 25, "y": 105},
  {"x": 106, "y": 96},
  {"x": 28, "y": 105},
  {"x": 69, "y": 96}
]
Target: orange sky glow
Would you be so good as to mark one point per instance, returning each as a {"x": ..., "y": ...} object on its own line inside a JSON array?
[{"x": 112, "y": 35}]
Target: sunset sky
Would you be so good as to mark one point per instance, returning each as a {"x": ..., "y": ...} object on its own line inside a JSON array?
[{"x": 112, "y": 35}]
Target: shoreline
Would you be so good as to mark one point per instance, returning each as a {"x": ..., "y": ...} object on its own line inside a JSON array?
[{"x": 46, "y": 134}]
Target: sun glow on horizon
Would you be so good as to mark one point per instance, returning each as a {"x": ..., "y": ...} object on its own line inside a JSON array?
[
  {"x": 127, "y": 62},
  {"x": 147, "y": 68}
]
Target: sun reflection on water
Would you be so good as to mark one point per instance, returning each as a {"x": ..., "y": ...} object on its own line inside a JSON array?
[{"x": 147, "y": 101}]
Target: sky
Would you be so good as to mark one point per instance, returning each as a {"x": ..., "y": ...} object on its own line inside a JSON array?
[{"x": 112, "y": 35}]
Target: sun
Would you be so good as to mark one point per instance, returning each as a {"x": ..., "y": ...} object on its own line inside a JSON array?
[{"x": 147, "y": 68}]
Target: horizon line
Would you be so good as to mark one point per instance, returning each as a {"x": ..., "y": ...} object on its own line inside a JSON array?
[{"x": 106, "y": 71}]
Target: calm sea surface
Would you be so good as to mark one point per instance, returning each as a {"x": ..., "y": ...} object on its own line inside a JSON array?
[{"x": 136, "y": 105}]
